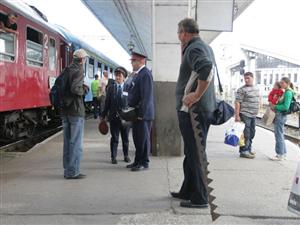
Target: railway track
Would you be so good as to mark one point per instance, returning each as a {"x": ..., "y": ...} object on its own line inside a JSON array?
[
  {"x": 291, "y": 132},
  {"x": 26, "y": 144}
]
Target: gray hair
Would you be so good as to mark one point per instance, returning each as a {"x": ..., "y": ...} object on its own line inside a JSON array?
[{"x": 189, "y": 25}]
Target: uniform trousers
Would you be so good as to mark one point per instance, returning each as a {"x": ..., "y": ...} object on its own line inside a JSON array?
[
  {"x": 116, "y": 128},
  {"x": 141, "y": 131}
]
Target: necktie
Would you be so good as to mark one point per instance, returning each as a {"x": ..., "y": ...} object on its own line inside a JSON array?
[{"x": 119, "y": 95}]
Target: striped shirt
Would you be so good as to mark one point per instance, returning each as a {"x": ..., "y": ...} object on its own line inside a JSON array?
[{"x": 248, "y": 97}]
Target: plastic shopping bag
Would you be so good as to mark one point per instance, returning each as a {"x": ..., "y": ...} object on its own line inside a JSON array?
[
  {"x": 294, "y": 199},
  {"x": 242, "y": 141},
  {"x": 233, "y": 134}
]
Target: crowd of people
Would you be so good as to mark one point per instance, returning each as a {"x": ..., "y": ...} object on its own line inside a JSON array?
[{"x": 197, "y": 97}]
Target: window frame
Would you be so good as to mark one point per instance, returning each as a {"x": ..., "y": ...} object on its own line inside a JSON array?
[
  {"x": 43, "y": 56},
  {"x": 55, "y": 57},
  {"x": 15, "y": 46}
]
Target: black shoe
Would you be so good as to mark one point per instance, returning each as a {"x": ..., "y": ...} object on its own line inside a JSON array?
[
  {"x": 131, "y": 165},
  {"x": 79, "y": 176},
  {"x": 178, "y": 195},
  {"x": 139, "y": 168},
  {"x": 114, "y": 161},
  {"x": 189, "y": 204},
  {"x": 127, "y": 159}
]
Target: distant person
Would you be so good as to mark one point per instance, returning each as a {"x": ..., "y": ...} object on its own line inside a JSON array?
[
  {"x": 199, "y": 97},
  {"x": 141, "y": 97},
  {"x": 115, "y": 101},
  {"x": 95, "y": 86},
  {"x": 275, "y": 94},
  {"x": 8, "y": 23},
  {"x": 103, "y": 88},
  {"x": 280, "y": 118},
  {"x": 246, "y": 110},
  {"x": 73, "y": 118}
]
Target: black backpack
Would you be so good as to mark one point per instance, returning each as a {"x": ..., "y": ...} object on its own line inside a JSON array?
[{"x": 60, "y": 92}]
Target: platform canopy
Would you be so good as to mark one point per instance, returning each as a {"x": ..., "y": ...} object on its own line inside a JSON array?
[{"x": 130, "y": 21}]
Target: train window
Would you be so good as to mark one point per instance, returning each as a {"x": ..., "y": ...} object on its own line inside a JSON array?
[
  {"x": 52, "y": 54},
  {"x": 99, "y": 69},
  {"x": 91, "y": 68},
  {"x": 34, "y": 47},
  {"x": 7, "y": 46}
]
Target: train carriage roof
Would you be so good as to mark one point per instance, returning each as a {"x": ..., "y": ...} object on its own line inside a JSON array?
[
  {"x": 32, "y": 13},
  {"x": 77, "y": 43},
  {"x": 29, "y": 12}
]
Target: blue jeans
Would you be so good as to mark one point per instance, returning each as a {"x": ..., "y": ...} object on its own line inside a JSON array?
[
  {"x": 249, "y": 132},
  {"x": 73, "y": 141},
  {"x": 280, "y": 120}
]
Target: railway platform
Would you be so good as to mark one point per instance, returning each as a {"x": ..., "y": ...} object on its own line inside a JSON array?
[{"x": 33, "y": 190}]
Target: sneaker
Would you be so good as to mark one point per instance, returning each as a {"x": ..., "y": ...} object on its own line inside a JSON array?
[
  {"x": 277, "y": 158},
  {"x": 114, "y": 161},
  {"x": 246, "y": 155}
]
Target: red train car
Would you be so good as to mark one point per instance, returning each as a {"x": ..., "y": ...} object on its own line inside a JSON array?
[
  {"x": 29, "y": 65},
  {"x": 28, "y": 61}
]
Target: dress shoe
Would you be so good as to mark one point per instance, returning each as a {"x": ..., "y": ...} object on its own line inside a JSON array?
[
  {"x": 131, "y": 165},
  {"x": 79, "y": 176},
  {"x": 189, "y": 204},
  {"x": 178, "y": 195},
  {"x": 139, "y": 168},
  {"x": 114, "y": 161},
  {"x": 127, "y": 159}
]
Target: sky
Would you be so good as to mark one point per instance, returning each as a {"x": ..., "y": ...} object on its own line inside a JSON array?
[
  {"x": 73, "y": 15},
  {"x": 271, "y": 25}
]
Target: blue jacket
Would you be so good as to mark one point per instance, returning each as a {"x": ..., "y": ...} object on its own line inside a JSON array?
[
  {"x": 141, "y": 94},
  {"x": 112, "y": 105}
]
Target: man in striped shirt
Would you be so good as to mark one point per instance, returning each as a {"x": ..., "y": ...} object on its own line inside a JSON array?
[{"x": 246, "y": 110}]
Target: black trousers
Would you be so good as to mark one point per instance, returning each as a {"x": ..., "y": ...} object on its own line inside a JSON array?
[
  {"x": 97, "y": 107},
  {"x": 116, "y": 128},
  {"x": 141, "y": 131},
  {"x": 194, "y": 186}
]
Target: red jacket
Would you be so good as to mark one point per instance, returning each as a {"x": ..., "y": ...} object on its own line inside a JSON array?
[{"x": 275, "y": 95}]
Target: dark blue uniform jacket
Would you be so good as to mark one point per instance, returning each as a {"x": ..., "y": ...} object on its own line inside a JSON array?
[{"x": 141, "y": 94}]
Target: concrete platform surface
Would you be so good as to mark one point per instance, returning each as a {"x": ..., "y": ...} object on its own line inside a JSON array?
[{"x": 33, "y": 191}]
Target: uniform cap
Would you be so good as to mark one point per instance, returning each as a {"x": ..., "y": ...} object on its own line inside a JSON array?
[
  {"x": 103, "y": 127},
  {"x": 80, "y": 53},
  {"x": 122, "y": 70},
  {"x": 139, "y": 54}
]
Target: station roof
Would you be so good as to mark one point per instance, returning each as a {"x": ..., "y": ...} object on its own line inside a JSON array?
[{"x": 130, "y": 21}]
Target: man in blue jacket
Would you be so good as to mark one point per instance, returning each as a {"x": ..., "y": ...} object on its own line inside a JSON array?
[
  {"x": 140, "y": 96},
  {"x": 116, "y": 99}
]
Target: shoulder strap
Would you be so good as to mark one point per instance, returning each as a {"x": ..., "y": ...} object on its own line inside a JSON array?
[{"x": 220, "y": 85}]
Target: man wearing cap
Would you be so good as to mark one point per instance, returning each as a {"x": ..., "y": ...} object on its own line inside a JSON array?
[
  {"x": 140, "y": 96},
  {"x": 116, "y": 99},
  {"x": 73, "y": 117}
]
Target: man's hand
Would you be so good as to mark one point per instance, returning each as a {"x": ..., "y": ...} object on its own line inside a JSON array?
[
  {"x": 190, "y": 99},
  {"x": 237, "y": 118}
]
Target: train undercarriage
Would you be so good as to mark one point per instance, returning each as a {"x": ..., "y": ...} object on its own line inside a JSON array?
[{"x": 24, "y": 123}]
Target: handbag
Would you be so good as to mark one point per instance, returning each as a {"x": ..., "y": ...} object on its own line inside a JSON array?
[
  {"x": 294, "y": 107},
  {"x": 224, "y": 111},
  {"x": 129, "y": 114}
]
